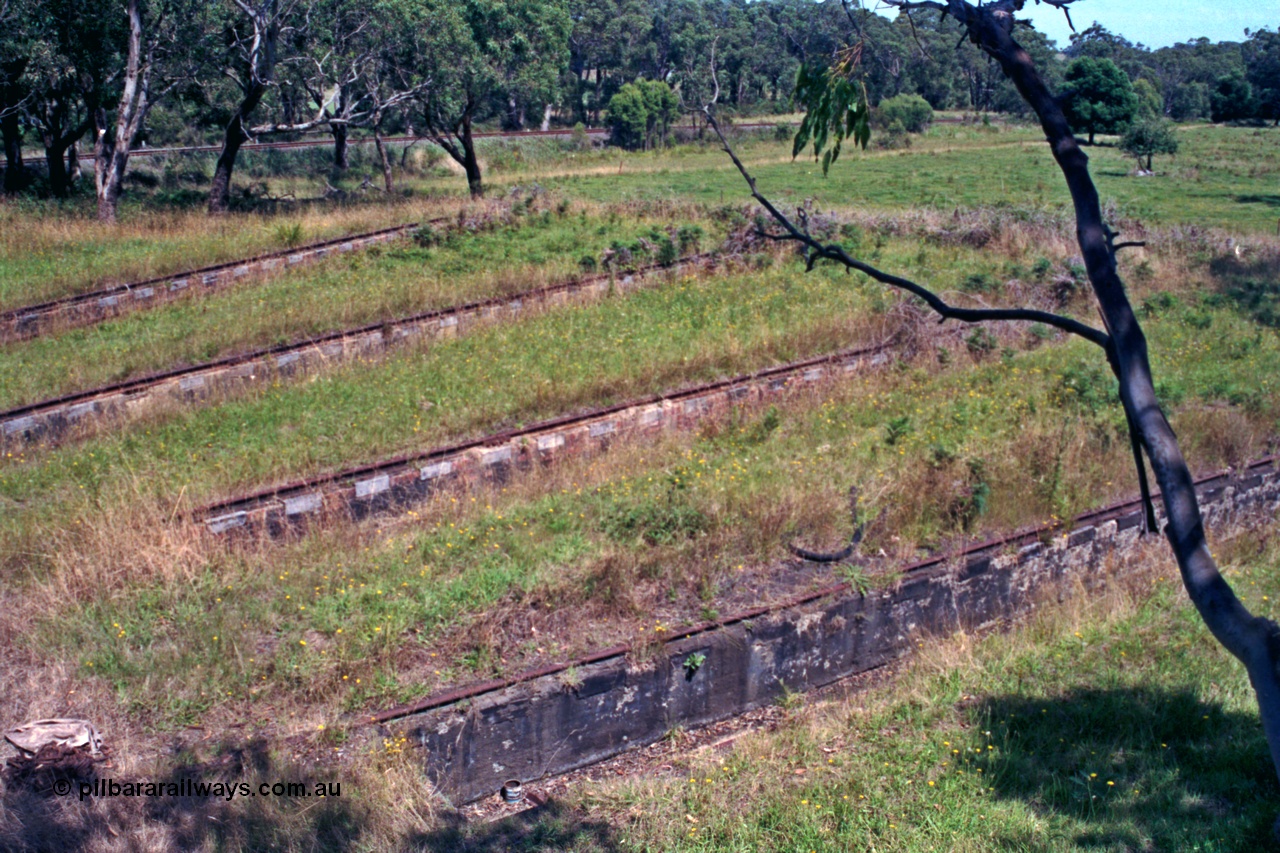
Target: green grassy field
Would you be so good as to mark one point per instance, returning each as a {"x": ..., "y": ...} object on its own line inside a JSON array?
[
  {"x": 380, "y": 284},
  {"x": 1206, "y": 184},
  {"x": 60, "y": 250},
  {"x": 666, "y": 532},
  {"x": 154, "y": 627},
  {"x": 1108, "y": 724}
]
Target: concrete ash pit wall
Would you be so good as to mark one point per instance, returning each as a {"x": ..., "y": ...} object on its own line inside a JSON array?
[
  {"x": 398, "y": 484},
  {"x": 87, "y": 308},
  {"x": 563, "y": 717},
  {"x": 50, "y": 420}
]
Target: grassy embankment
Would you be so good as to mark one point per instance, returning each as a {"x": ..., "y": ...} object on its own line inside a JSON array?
[
  {"x": 142, "y": 619},
  {"x": 382, "y": 283},
  {"x": 47, "y": 252},
  {"x": 1114, "y": 723},
  {"x": 994, "y": 439}
]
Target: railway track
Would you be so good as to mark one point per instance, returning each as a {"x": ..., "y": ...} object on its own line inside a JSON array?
[
  {"x": 596, "y": 132},
  {"x": 398, "y": 483},
  {"x": 543, "y": 722},
  {"x": 17, "y": 324},
  {"x": 51, "y": 419}
]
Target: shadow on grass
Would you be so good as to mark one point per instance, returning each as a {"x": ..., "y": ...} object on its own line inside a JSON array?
[
  {"x": 1269, "y": 200},
  {"x": 249, "y": 821},
  {"x": 548, "y": 827},
  {"x": 1252, "y": 283},
  {"x": 1132, "y": 769}
]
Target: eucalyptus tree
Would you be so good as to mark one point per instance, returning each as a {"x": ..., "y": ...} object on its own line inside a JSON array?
[
  {"x": 608, "y": 42},
  {"x": 1098, "y": 97},
  {"x": 159, "y": 54},
  {"x": 1262, "y": 58},
  {"x": 478, "y": 53},
  {"x": 16, "y": 17},
  {"x": 334, "y": 52},
  {"x": 838, "y": 113},
  {"x": 396, "y": 71},
  {"x": 74, "y": 60},
  {"x": 253, "y": 32}
]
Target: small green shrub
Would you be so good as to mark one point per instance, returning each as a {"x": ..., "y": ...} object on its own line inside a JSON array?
[
  {"x": 689, "y": 237},
  {"x": 979, "y": 282},
  {"x": 667, "y": 253},
  {"x": 1159, "y": 304},
  {"x": 426, "y": 236},
  {"x": 852, "y": 235},
  {"x": 1089, "y": 387},
  {"x": 912, "y": 112},
  {"x": 1148, "y": 137},
  {"x": 981, "y": 342},
  {"x": 894, "y": 138},
  {"x": 657, "y": 519},
  {"x": 290, "y": 234},
  {"x": 897, "y": 429},
  {"x": 693, "y": 663}
]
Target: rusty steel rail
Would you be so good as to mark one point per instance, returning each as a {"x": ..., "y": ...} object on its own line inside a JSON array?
[
  {"x": 397, "y": 483},
  {"x": 1127, "y": 514},
  {"x": 50, "y": 419},
  {"x": 87, "y": 308},
  {"x": 387, "y": 140}
]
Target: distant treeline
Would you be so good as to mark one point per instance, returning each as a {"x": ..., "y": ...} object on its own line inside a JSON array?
[{"x": 116, "y": 74}]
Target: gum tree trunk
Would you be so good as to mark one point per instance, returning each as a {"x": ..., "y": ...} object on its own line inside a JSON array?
[
  {"x": 10, "y": 128},
  {"x": 1255, "y": 641},
  {"x": 112, "y": 156},
  {"x": 470, "y": 162},
  {"x": 235, "y": 136},
  {"x": 387, "y": 181},
  {"x": 62, "y": 170},
  {"x": 14, "y": 170},
  {"x": 73, "y": 163},
  {"x": 339, "y": 132}
]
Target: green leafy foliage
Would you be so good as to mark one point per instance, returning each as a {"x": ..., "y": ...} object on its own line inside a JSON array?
[
  {"x": 836, "y": 110},
  {"x": 641, "y": 113},
  {"x": 1098, "y": 97},
  {"x": 1262, "y": 59},
  {"x": 1150, "y": 101},
  {"x": 911, "y": 111},
  {"x": 1232, "y": 98},
  {"x": 1148, "y": 137}
]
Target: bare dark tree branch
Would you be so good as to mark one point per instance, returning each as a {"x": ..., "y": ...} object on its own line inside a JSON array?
[
  {"x": 816, "y": 250},
  {"x": 1253, "y": 640}
]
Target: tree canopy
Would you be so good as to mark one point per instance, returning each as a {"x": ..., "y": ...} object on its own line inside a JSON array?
[
  {"x": 249, "y": 69},
  {"x": 1148, "y": 137},
  {"x": 640, "y": 113},
  {"x": 1098, "y": 97}
]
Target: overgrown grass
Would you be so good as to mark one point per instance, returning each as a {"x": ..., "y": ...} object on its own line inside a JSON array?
[
  {"x": 153, "y": 626},
  {"x": 381, "y": 283},
  {"x": 1109, "y": 722},
  {"x": 61, "y": 253},
  {"x": 1113, "y": 723},
  {"x": 660, "y": 533},
  {"x": 1212, "y": 182}
]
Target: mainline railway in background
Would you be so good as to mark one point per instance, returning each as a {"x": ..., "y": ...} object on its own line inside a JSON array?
[{"x": 594, "y": 132}]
